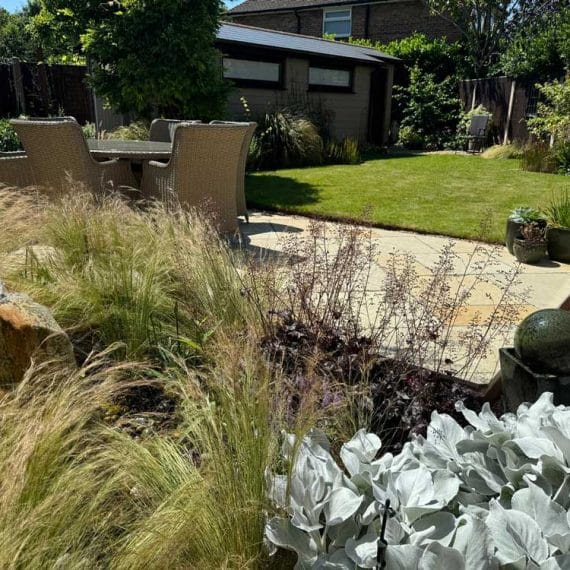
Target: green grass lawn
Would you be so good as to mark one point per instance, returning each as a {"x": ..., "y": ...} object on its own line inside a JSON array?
[{"x": 442, "y": 194}]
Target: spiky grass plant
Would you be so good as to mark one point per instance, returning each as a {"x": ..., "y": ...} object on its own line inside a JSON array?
[
  {"x": 80, "y": 493},
  {"x": 115, "y": 273}
]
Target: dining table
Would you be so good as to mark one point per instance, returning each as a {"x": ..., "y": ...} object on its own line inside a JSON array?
[{"x": 134, "y": 151}]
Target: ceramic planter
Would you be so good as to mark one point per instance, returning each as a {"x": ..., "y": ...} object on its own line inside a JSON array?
[
  {"x": 558, "y": 240},
  {"x": 521, "y": 384},
  {"x": 529, "y": 252},
  {"x": 512, "y": 231}
]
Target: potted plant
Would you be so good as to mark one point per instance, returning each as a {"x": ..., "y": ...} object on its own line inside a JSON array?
[
  {"x": 518, "y": 218},
  {"x": 530, "y": 244},
  {"x": 558, "y": 233}
]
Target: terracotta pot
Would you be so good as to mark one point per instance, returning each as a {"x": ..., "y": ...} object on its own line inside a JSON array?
[
  {"x": 527, "y": 252},
  {"x": 558, "y": 240}
]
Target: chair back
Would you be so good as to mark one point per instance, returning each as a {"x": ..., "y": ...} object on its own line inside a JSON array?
[
  {"x": 57, "y": 152},
  {"x": 240, "y": 190},
  {"x": 162, "y": 130},
  {"x": 53, "y": 119},
  {"x": 478, "y": 125},
  {"x": 205, "y": 161}
]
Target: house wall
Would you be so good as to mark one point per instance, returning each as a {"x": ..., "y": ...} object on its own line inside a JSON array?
[
  {"x": 348, "y": 112},
  {"x": 390, "y": 20}
]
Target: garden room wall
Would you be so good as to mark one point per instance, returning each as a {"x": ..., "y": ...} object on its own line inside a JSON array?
[{"x": 348, "y": 112}]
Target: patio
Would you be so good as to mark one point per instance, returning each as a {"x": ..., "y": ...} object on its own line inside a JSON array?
[{"x": 546, "y": 285}]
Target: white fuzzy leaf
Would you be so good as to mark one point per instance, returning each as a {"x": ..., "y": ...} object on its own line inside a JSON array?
[
  {"x": 536, "y": 447},
  {"x": 550, "y": 516},
  {"x": 403, "y": 557},
  {"x": 363, "y": 551},
  {"x": 282, "y": 533},
  {"x": 342, "y": 504},
  {"x": 515, "y": 535}
]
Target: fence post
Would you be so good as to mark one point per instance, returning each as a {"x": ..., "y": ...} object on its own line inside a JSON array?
[
  {"x": 510, "y": 112},
  {"x": 18, "y": 84}
]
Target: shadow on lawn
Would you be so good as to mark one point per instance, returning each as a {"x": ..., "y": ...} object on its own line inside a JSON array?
[{"x": 272, "y": 190}]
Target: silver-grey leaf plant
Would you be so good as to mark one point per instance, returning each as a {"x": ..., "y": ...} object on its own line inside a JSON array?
[{"x": 492, "y": 495}]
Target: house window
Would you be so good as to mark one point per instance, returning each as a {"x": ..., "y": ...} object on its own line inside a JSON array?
[
  {"x": 330, "y": 79},
  {"x": 337, "y": 23},
  {"x": 253, "y": 73}
]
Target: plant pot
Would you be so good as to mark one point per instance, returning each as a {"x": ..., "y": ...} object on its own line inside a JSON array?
[
  {"x": 558, "y": 240},
  {"x": 513, "y": 230},
  {"x": 529, "y": 252},
  {"x": 521, "y": 384},
  {"x": 511, "y": 233}
]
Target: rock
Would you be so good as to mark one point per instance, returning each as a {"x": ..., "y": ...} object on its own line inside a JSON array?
[{"x": 28, "y": 330}]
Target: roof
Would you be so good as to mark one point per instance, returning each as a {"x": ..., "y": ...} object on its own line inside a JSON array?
[
  {"x": 230, "y": 33},
  {"x": 250, "y": 6}
]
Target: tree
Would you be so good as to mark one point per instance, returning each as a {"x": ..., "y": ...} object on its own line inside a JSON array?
[
  {"x": 486, "y": 24},
  {"x": 148, "y": 57},
  {"x": 16, "y": 40}
]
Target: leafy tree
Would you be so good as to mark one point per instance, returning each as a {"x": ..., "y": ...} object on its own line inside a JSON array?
[
  {"x": 484, "y": 24},
  {"x": 540, "y": 50},
  {"x": 146, "y": 56},
  {"x": 16, "y": 39},
  {"x": 553, "y": 114}
]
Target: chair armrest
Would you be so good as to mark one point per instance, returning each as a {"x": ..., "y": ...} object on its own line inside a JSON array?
[{"x": 156, "y": 164}]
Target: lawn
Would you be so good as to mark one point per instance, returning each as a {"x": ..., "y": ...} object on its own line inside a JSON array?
[{"x": 460, "y": 196}]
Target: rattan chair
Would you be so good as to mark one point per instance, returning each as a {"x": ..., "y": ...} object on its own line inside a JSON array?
[
  {"x": 58, "y": 155},
  {"x": 201, "y": 171},
  {"x": 15, "y": 170},
  {"x": 240, "y": 181},
  {"x": 162, "y": 130}
]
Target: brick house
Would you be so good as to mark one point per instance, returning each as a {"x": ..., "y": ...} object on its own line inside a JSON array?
[{"x": 383, "y": 20}]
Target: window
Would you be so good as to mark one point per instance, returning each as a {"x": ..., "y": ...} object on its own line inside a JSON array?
[
  {"x": 330, "y": 79},
  {"x": 247, "y": 72},
  {"x": 337, "y": 22}
]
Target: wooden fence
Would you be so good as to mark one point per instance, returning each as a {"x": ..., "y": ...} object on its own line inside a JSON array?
[
  {"x": 42, "y": 90},
  {"x": 510, "y": 100}
]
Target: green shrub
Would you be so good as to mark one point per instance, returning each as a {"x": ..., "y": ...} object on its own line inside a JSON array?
[
  {"x": 346, "y": 151},
  {"x": 503, "y": 152},
  {"x": 89, "y": 130},
  {"x": 558, "y": 210},
  {"x": 561, "y": 155},
  {"x": 553, "y": 114},
  {"x": 285, "y": 140},
  {"x": 538, "y": 157},
  {"x": 431, "y": 109},
  {"x": 9, "y": 141},
  {"x": 411, "y": 139},
  {"x": 137, "y": 131}
]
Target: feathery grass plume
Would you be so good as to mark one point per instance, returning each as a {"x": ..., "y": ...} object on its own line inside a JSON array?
[
  {"x": 503, "y": 152},
  {"x": 114, "y": 273}
]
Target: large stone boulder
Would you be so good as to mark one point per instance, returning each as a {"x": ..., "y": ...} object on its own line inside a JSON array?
[{"x": 28, "y": 331}]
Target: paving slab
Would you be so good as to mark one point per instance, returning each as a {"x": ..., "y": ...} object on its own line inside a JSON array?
[{"x": 481, "y": 269}]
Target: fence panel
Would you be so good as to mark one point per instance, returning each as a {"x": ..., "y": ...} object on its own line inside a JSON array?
[{"x": 494, "y": 94}]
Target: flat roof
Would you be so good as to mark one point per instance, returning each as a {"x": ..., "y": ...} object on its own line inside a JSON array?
[{"x": 283, "y": 41}]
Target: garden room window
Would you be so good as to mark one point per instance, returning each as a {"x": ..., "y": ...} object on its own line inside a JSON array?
[
  {"x": 252, "y": 73},
  {"x": 338, "y": 23},
  {"x": 330, "y": 79}
]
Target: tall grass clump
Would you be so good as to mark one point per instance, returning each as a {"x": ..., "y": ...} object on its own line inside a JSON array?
[
  {"x": 503, "y": 152},
  {"x": 558, "y": 209},
  {"x": 113, "y": 273},
  {"x": 538, "y": 157},
  {"x": 79, "y": 491}
]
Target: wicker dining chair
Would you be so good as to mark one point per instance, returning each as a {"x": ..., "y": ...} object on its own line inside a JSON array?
[
  {"x": 15, "y": 170},
  {"x": 58, "y": 154},
  {"x": 240, "y": 181},
  {"x": 201, "y": 171},
  {"x": 162, "y": 130}
]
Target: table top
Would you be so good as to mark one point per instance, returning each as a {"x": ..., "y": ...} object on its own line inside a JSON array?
[{"x": 134, "y": 150}]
